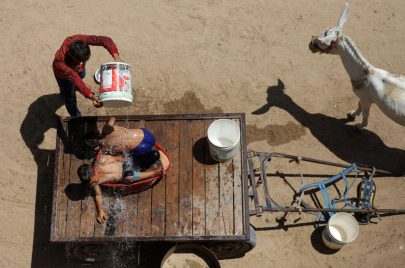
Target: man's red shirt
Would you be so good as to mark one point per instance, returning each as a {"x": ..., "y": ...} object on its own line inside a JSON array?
[{"x": 65, "y": 67}]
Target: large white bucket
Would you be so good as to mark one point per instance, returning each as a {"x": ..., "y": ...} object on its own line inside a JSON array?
[
  {"x": 342, "y": 229},
  {"x": 115, "y": 84},
  {"x": 223, "y": 139}
]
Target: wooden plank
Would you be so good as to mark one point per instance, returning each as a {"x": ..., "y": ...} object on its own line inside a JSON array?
[
  {"x": 227, "y": 170},
  {"x": 145, "y": 204},
  {"x": 101, "y": 230},
  {"x": 63, "y": 181},
  {"x": 226, "y": 198},
  {"x": 185, "y": 178},
  {"x": 172, "y": 179},
  {"x": 76, "y": 131},
  {"x": 88, "y": 206},
  {"x": 198, "y": 178},
  {"x": 237, "y": 192},
  {"x": 119, "y": 202},
  {"x": 158, "y": 191},
  {"x": 212, "y": 189},
  {"x": 131, "y": 212},
  {"x": 144, "y": 213}
]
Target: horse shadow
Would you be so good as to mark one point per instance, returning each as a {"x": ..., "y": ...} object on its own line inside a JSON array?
[{"x": 343, "y": 140}]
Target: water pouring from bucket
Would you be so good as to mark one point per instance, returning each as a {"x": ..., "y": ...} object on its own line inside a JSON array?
[
  {"x": 223, "y": 139},
  {"x": 115, "y": 84}
]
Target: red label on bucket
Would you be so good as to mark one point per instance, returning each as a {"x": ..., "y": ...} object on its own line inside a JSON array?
[{"x": 115, "y": 77}]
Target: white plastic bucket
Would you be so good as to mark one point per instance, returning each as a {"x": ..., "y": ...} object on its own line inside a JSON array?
[
  {"x": 115, "y": 84},
  {"x": 223, "y": 139},
  {"x": 342, "y": 229}
]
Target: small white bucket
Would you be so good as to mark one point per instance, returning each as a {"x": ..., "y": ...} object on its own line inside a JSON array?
[
  {"x": 115, "y": 84},
  {"x": 342, "y": 229},
  {"x": 223, "y": 139}
]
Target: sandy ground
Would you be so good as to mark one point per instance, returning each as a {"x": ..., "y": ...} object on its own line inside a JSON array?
[{"x": 202, "y": 57}]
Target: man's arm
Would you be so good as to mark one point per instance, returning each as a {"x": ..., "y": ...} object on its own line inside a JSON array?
[
  {"x": 101, "y": 217},
  {"x": 111, "y": 121},
  {"x": 117, "y": 159},
  {"x": 100, "y": 40},
  {"x": 117, "y": 57},
  {"x": 108, "y": 127},
  {"x": 133, "y": 176}
]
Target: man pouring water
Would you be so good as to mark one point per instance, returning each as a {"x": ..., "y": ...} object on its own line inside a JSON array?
[{"x": 69, "y": 67}]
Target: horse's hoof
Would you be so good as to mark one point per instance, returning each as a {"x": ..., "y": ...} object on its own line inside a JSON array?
[
  {"x": 356, "y": 127},
  {"x": 350, "y": 115}
]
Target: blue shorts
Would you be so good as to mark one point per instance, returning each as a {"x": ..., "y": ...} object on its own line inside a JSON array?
[{"x": 145, "y": 145}]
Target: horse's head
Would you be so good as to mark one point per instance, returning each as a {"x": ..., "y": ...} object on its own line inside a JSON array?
[{"x": 327, "y": 41}]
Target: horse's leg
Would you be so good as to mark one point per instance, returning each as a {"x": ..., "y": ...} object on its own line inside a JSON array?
[
  {"x": 366, "y": 111},
  {"x": 353, "y": 114}
]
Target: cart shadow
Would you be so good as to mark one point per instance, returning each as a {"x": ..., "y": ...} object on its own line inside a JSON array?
[
  {"x": 343, "y": 140},
  {"x": 73, "y": 137},
  {"x": 41, "y": 117}
]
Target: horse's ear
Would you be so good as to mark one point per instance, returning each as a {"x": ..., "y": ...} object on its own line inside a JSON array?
[
  {"x": 343, "y": 17},
  {"x": 327, "y": 40}
]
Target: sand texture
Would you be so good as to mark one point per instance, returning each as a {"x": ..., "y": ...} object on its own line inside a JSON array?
[{"x": 205, "y": 56}]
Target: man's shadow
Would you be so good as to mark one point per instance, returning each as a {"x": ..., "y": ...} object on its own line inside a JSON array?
[
  {"x": 40, "y": 118},
  {"x": 343, "y": 140}
]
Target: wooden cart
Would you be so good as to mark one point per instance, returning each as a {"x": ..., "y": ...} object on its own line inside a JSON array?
[{"x": 199, "y": 200}]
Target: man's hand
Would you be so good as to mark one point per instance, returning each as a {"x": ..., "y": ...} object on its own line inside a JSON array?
[
  {"x": 96, "y": 102},
  {"x": 117, "y": 58},
  {"x": 101, "y": 217},
  {"x": 158, "y": 171}
]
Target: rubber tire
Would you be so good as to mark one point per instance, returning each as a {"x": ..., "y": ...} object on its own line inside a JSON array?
[{"x": 223, "y": 250}]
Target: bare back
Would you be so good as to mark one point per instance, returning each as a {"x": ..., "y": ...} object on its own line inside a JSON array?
[
  {"x": 121, "y": 140},
  {"x": 108, "y": 169}
]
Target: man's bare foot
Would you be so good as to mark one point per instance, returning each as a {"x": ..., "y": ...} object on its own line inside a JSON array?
[
  {"x": 158, "y": 171},
  {"x": 164, "y": 160}
]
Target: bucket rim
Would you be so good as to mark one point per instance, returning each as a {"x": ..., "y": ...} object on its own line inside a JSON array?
[
  {"x": 230, "y": 146},
  {"x": 116, "y": 62},
  {"x": 352, "y": 219}
]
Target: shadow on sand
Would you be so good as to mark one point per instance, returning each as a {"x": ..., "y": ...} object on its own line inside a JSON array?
[
  {"x": 40, "y": 118},
  {"x": 343, "y": 140}
]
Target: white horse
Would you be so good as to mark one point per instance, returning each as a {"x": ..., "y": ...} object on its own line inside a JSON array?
[{"x": 370, "y": 84}]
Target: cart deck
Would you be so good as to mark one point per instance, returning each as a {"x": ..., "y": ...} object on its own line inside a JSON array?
[{"x": 198, "y": 199}]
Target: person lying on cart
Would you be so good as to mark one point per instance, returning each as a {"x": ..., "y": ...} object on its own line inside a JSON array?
[
  {"x": 115, "y": 140},
  {"x": 113, "y": 169}
]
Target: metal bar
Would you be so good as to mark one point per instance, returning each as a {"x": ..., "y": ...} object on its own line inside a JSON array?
[
  {"x": 359, "y": 166},
  {"x": 333, "y": 210},
  {"x": 245, "y": 174},
  {"x": 264, "y": 178},
  {"x": 254, "y": 189},
  {"x": 156, "y": 117}
]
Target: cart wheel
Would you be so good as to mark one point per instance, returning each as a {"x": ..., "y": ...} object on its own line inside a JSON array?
[
  {"x": 93, "y": 252},
  {"x": 229, "y": 250}
]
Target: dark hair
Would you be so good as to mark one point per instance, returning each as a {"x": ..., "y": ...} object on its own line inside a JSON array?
[
  {"x": 84, "y": 173},
  {"x": 80, "y": 50},
  {"x": 92, "y": 139}
]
